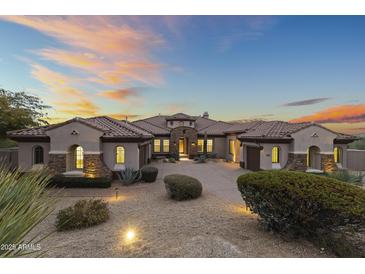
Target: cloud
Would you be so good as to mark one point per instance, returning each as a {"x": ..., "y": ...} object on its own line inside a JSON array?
[
  {"x": 306, "y": 102},
  {"x": 121, "y": 95},
  {"x": 101, "y": 50},
  {"x": 228, "y": 41},
  {"x": 123, "y": 116},
  {"x": 262, "y": 117},
  {"x": 337, "y": 114},
  {"x": 82, "y": 107}
]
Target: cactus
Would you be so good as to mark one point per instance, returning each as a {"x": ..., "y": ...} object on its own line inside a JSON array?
[{"x": 129, "y": 176}]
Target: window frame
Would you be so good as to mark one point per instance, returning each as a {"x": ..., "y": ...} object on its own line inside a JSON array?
[
  {"x": 212, "y": 145},
  {"x": 35, "y": 154},
  {"x": 155, "y": 145},
  {"x": 202, "y": 145},
  {"x": 277, "y": 160},
  {"x": 164, "y": 146},
  {"x": 79, "y": 157},
  {"x": 117, "y": 156}
]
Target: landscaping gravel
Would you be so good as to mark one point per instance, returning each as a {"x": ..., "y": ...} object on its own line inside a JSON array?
[{"x": 209, "y": 226}]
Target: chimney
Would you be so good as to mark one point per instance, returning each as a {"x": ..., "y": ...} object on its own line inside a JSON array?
[{"x": 205, "y": 114}]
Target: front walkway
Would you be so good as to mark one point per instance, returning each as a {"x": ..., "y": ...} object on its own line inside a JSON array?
[{"x": 218, "y": 177}]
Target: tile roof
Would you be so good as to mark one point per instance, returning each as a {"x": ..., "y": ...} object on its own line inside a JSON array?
[
  {"x": 154, "y": 129},
  {"x": 111, "y": 128},
  {"x": 243, "y": 127},
  {"x": 181, "y": 116},
  {"x": 217, "y": 128}
]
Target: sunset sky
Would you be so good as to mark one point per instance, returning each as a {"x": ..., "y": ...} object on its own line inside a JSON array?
[{"x": 292, "y": 68}]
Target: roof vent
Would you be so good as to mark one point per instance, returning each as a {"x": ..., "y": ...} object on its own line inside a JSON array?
[
  {"x": 206, "y": 115},
  {"x": 314, "y": 134},
  {"x": 74, "y": 132}
]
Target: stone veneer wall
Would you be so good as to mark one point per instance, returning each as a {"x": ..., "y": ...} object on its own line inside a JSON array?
[
  {"x": 328, "y": 163},
  {"x": 94, "y": 166},
  {"x": 190, "y": 134},
  {"x": 57, "y": 163},
  {"x": 296, "y": 162}
]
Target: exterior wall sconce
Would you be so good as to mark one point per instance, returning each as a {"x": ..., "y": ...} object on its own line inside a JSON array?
[{"x": 193, "y": 144}]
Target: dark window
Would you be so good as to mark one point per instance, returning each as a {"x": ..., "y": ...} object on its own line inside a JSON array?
[
  {"x": 191, "y": 123},
  {"x": 171, "y": 123},
  {"x": 38, "y": 155}
]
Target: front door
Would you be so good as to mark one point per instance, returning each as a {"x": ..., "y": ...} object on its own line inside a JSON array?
[
  {"x": 253, "y": 158},
  {"x": 181, "y": 146}
]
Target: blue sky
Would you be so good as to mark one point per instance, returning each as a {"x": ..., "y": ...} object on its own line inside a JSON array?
[{"x": 293, "y": 68}]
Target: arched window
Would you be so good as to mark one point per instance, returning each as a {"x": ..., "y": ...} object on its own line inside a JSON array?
[
  {"x": 337, "y": 155},
  {"x": 79, "y": 157},
  {"x": 275, "y": 155},
  {"x": 120, "y": 155},
  {"x": 38, "y": 155}
]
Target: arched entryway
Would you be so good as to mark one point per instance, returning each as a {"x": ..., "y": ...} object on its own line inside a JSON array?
[
  {"x": 314, "y": 158},
  {"x": 75, "y": 158}
]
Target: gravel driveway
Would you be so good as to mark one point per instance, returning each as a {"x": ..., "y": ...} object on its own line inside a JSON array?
[{"x": 218, "y": 177}]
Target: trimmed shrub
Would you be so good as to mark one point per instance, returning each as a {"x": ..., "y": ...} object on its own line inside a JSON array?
[
  {"x": 181, "y": 187},
  {"x": 84, "y": 213},
  {"x": 172, "y": 160},
  {"x": 82, "y": 182},
  {"x": 297, "y": 203},
  {"x": 174, "y": 155},
  {"x": 129, "y": 176},
  {"x": 149, "y": 174}
]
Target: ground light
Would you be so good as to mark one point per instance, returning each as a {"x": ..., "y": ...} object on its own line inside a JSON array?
[{"x": 130, "y": 235}]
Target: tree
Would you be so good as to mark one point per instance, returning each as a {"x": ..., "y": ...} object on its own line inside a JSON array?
[{"x": 19, "y": 110}]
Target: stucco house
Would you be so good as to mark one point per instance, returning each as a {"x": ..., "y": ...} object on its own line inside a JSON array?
[{"x": 96, "y": 146}]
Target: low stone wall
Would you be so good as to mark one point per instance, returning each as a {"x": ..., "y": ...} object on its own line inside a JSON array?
[
  {"x": 57, "y": 163},
  {"x": 328, "y": 163},
  {"x": 94, "y": 166}
]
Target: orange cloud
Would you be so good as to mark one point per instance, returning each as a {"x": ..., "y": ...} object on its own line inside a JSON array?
[
  {"x": 120, "y": 95},
  {"x": 123, "y": 116},
  {"x": 337, "y": 114},
  {"x": 81, "y": 107}
]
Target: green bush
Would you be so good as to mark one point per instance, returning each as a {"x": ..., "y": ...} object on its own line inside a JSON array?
[
  {"x": 297, "y": 203},
  {"x": 345, "y": 176},
  {"x": 172, "y": 160},
  {"x": 84, "y": 213},
  {"x": 82, "y": 182},
  {"x": 149, "y": 174},
  {"x": 201, "y": 159},
  {"x": 287, "y": 199},
  {"x": 181, "y": 187}
]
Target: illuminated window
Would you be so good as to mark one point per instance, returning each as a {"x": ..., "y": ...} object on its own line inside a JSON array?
[
  {"x": 38, "y": 155},
  {"x": 337, "y": 154},
  {"x": 231, "y": 147},
  {"x": 200, "y": 145},
  {"x": 210, "y": 145},
  {"x": 166, "y": 145},
  {"x": 79, "y": 157},
  {"x": 120, "y": 154},
  {"x": 275, "y": 155},
  {"x": 157, "y": 145}
]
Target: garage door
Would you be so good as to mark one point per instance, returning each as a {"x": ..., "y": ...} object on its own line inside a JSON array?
[{"x": 253, "y": 158}]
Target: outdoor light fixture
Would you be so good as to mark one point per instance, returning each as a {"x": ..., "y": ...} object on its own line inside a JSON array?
[{"x": 130, "y": 235}]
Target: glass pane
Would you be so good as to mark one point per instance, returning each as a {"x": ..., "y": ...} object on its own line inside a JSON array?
[
  {"x": 120, "y": 155},
  {"x": 79, "y": 158}
]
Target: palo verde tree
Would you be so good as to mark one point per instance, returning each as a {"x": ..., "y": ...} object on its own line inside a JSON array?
[{"x": 20, "y": 110}]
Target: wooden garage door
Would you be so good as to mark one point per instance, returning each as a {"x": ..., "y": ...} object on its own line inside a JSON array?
[{"x": 253, "y": 158}]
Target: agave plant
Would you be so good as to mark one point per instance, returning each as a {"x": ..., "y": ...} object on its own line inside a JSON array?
[
  {"x": 130, "y": 176},
  {"x": 23, "y": 205}
]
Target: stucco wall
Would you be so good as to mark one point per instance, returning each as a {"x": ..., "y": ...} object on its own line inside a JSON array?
[
  {"x": 303, "y": 139},
  {"x": 131, "y": 154},
  {"x": 266, "y": 155},
  {"x": 356, "y": 159},
  {"x": 62, "y": 139},
  {"x": 25, "y": 154},
  {"x": 219, "y": 146}
]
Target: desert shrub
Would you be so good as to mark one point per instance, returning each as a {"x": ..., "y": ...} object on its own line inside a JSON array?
[
  {"x": 129, "y": 176},
  {"x": 82, "y": 182},
  {"x": 303, "y": 204},
  {"x": 346, "y": 176},
  {"x": 181, "y": 187},
  {"x": 172, "y": 160},
  {"x": 84, "y": 213},
  {"x": 149, "y": 174},
  {"x": 201, "y": 159},
  {"x": 174, "y": 156}
]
